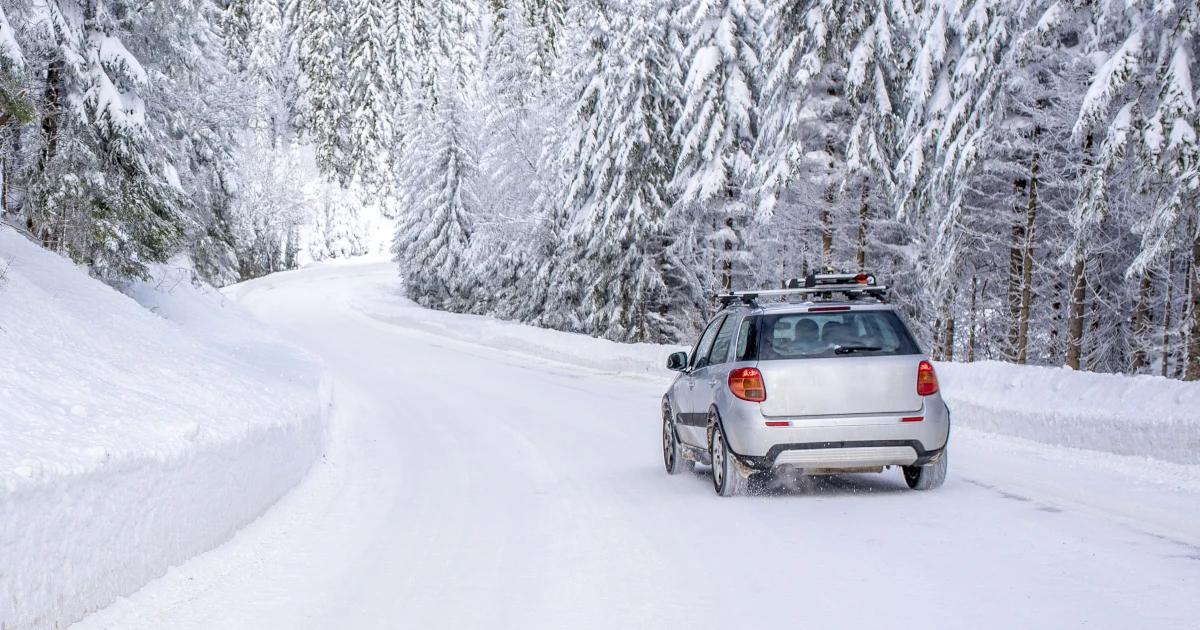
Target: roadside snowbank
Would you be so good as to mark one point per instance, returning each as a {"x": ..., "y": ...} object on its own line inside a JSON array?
[
  {"x": 1150, "y": 416},
  {"x": 131, "y": 441},
  {"x": 1143, "y": 415}
]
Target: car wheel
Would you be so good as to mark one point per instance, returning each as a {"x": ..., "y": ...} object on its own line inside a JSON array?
[
  {"x": 673, "y": 457},
  {"x": 929, "y": 477},
  {"x": 727, "y": 480}
]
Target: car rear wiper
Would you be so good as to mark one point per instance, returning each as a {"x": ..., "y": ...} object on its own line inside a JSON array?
[{"x": 849, "y": 349}]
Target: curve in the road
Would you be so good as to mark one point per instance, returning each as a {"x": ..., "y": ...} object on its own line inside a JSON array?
[{"x": 470, "y": 488}]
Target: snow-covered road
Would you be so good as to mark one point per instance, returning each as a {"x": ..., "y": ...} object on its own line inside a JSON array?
[{"x": 468, "y": 487}]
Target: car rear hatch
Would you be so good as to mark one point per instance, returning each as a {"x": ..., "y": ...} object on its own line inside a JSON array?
[
  {"x": 836, "y": 360},
  {"x": 844, "y": 385}
]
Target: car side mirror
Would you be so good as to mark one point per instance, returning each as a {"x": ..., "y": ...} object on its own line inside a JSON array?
[{"x": 677, "y": 362}]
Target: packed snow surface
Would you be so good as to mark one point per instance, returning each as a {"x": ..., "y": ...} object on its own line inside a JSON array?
[
  {"x": 133, "y": 436},
  {"x": 484, "y": 474}
]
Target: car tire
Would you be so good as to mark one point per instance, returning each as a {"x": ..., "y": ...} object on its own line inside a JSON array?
[
  {"x": 673, "y": 457},
  {"x": 727, "y": 479},
  {"x": 930, "y": 477}
]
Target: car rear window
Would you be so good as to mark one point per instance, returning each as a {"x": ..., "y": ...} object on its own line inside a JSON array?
[{"x": 825, "y": 335}]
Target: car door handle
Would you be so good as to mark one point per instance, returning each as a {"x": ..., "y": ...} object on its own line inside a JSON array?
[{"x": 712, "y": 381}]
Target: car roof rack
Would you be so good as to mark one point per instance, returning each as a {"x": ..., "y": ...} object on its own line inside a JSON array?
[{"x": 822, "y": 286}]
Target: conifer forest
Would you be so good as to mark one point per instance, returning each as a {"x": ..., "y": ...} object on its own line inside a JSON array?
[{"x": 1025, "y": 174}]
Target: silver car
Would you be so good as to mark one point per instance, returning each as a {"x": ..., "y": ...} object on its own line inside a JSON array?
[{"x": 834, "y": 384}]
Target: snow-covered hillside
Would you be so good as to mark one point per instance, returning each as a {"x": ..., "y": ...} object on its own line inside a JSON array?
[{"x": 133, "y": 436}]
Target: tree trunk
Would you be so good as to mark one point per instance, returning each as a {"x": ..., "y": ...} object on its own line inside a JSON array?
[
  {"x": 937, "y": 340},
  {"x": 46, "y": 229},
  {"x": 1027, "y": 253},
  {"x": 1016, "y": 257},
  {"x": 862, "y": 228},
  {"x": 783, "y": 260},
  {"x": 1092, "y": 337},
  {"x": 727, "y": 263},
  {"x": 50, "y": 118},
  {"x": 948, "y": 337},
  {"x": 1075, "y": 314},
  {"x": 6, "y": 168},
  {"x": 1055, "y": 320},
  {"x": 4, "y": 187},
  {"x": 1181, "y": 356},
  {"x": 1141, "y": 319},
  {"x": 971, "y": 330},
  {"x": 1192, "y": 371},
  {"x": 713, "y": 260},
  {"x": 826, "y": 239},
  {"x": 827, "y": 227},
  {"x": 1166, "y": 338},
  {"x": 1078, "y": 285}
]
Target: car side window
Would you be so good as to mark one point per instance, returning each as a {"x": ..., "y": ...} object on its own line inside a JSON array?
[
  {"x": 720, "y": 349},
  {"x": 747, "y": 344},
  {"x": 700, "y": 354}
]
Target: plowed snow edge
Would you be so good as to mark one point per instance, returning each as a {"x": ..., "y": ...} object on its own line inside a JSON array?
[{"x": 134, "y": 436}]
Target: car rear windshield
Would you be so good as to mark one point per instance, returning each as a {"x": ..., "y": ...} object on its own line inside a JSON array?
[{"x": 824, "y": 335}]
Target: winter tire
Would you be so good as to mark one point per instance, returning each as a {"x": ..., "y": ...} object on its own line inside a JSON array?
[
  {"x": 727, "y": 479},
  {"x": 673, "y": 456},
  {"x": 929, "y": 477}
]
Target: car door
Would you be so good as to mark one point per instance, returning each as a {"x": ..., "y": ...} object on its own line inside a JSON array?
[
  {"x": 690, "y": 422},
  {"x": 713, "y": 372}
]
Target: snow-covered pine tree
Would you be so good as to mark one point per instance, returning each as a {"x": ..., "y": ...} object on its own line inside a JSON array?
[
  {"x": 438, "y": 178},
  {"x": 253, "y": 33},
  {"x": 881, "y": 38},
  {"x": 268, "y": 210},
  {"x": 514, "y": 100},
  {"x": 15, "y": 106},
  {"x": 787, "y": 72},
  {"x": 964, "y": 59},
  {"x": 11, "y": 57},
  {"x": 1027, "y": 165},
  {"x": 338, "y": 229},
  {"x": 237, "y": 26},
  {"x": 371, "y": 96},
  {"x": 458, "y": 39},
  {"x": 265, "y": 41},
  {"x": 320, "y": 110},
  {"x": 558, "y": 286},
  {"x": 399, "y": 39},
  {"x": 439, "y": 169},
  {"x": 1148, "y": 81},
  {"x": 718, "y": 128},
  {"x": 546, "y": 17},
  {"x": 622, "y": 155},
  {"x": 1114, "y": 117},
  {"x": 819, "y": 212},
  {"x": 96, "y": 194},
  {"x": 422, "y": 18}
]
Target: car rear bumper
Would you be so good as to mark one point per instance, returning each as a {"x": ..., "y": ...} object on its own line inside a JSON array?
[
  {"x": 843, "y": 455},
  {"x": 837, "y": 442}
]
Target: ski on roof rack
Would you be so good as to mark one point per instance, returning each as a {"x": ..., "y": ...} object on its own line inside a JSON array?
[{"x": 820, "y": 285}]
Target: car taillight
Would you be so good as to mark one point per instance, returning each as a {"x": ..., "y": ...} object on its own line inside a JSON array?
[
  {"x": 927, "y": 384},
  {"x": 747, "y": 384}
]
